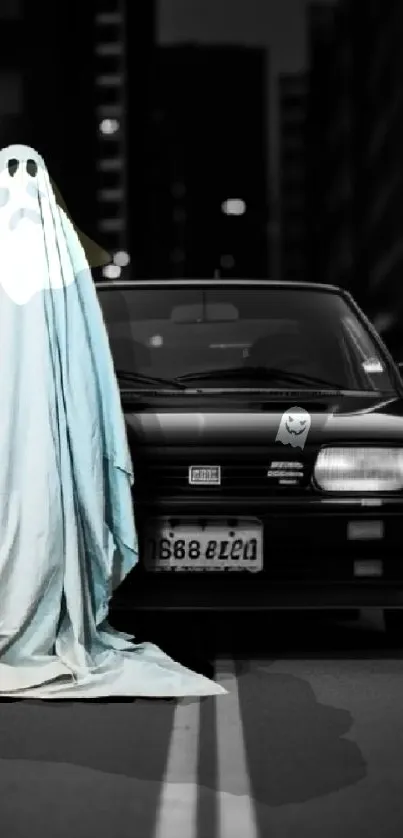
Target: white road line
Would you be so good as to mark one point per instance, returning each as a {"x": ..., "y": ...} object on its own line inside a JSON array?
[
  {"x": 237, "y": 817},
  {"x": 177, "y": 809}
]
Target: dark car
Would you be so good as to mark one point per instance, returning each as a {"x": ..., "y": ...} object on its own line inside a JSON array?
[{"x": 265, "y": 422}]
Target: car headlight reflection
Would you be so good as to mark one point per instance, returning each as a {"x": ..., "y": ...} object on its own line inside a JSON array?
[{"x": 359, "y": 469}]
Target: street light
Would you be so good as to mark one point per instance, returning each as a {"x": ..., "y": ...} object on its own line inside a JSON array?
[
  {"x": 227, "y": 261},
  {"x": 121, "y": 258},
  {"x": 109, "y": 126},
  {"x": 111, "y": 271},
  {"x": 233, "y": 206}
]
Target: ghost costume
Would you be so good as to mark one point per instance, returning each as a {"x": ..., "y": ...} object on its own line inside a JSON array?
[{"x": 67, "y": 532}]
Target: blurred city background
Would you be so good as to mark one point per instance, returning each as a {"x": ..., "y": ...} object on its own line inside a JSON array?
[{"x": 257, "y": 138}]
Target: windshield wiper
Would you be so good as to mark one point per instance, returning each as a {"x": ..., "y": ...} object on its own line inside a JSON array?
[
  {"x": 260, "y": 374},
  {"x": 139, "y": 378}
]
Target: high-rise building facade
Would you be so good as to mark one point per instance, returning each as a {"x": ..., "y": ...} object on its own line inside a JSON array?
[
  {"x": 354, "y": 142},
  {"x": 140, "y": 50},
  {"x": 341, "y": 128},
  {"x": 11, "y": 75},
  {"x": 384, "y": 168},
  {"x": 292, "y": 89},
  {"x": 110, "y": 78},
  {"x": 86, "y": 87},
  {"x": 208, "y": 196},
  {"x": 59, "y": 111},
  {"x": 322, "y": 160}
]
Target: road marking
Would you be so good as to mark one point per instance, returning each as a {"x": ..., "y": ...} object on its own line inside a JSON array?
[
  {"x": 177, "y": 808},
  {"x": 237, "y": 818}
]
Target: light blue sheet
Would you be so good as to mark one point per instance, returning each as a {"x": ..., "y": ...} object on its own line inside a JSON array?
[{"x": 67, "y": 532}]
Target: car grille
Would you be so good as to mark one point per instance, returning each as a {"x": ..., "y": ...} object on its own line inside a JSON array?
[{"x": 236, "y": 480}]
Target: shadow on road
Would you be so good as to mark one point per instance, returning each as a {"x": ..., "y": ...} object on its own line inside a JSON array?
[
  {"x": 295, "y": 745},
  {"x": 201, "y": 638}
]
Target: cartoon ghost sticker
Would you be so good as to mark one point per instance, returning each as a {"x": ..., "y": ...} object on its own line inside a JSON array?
[{"x": 294, "y": 427}]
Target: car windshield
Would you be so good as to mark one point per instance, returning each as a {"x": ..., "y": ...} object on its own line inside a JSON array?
[{"x": 241, "y": 337}]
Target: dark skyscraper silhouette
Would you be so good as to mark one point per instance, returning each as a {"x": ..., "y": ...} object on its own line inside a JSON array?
[
  {"x": 292, "y": 175},
  {"x": 209, "y": 145},
  {"x": 59, "y": 100}
]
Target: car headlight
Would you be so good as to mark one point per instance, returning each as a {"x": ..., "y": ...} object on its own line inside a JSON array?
[{"x": 359, "y": 469}]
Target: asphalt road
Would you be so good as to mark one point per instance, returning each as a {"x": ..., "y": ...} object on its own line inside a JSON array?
[{"x": 309, "y": 742}]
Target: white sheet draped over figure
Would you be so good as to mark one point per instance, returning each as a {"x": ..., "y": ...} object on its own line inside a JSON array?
[{"x": 67, "y": 532}]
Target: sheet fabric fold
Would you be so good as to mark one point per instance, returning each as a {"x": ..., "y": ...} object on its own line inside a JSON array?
[{"x": 67, "y": 531}]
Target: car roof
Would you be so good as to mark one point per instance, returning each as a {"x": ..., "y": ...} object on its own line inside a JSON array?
[{"x": 219, "y": 282}]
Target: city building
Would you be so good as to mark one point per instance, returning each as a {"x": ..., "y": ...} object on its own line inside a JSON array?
[
  {"x": 207, "y": 206},
  {"x": 316, "y": 155},
  {"x": 292, "y": 88},
  {"x": 110, "y": 79},
  {"x": 354, "y": 158},
  {"x": 341, "y": 123},
  {"x": 86, "y": 109},
  {"x": 11, "y": 76},
  {"x": 140, "y": 49},
  {"x": 325, "y": 150},
  {"x": 59, "y": 114},
  {"x": 384, "y": 170}
]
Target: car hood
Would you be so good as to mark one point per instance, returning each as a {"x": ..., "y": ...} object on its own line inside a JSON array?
[{"x": 249, "y": 421}]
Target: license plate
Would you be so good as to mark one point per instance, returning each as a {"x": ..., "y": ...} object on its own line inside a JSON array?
[
  {"x": 205, "y": 475},
  {"x": 208, "y": 545}
]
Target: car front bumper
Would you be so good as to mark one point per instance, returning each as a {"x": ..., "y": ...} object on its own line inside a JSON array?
[{"x": 312, "y": 558}]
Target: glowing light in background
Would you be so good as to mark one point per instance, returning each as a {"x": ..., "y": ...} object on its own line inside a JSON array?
[
  {"x": 112, "y": 271},
  {"x": 121, "y": 258},
  {"x": 227, "y": 261},
  {"x": 179, "y": 215},
  {"x": 178, "y": 189},
  {"x": 178, "y": 255},
  {"x": 384, "y": 321},
  {"x": 233, "y": 206},
  {"x": 372, "y": 365},
  {"x": 109, "y": 126},
  {"x": 156, "y": 340}
]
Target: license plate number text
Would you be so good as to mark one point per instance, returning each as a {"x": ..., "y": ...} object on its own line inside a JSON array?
[{"x": 214, "y": 546}]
